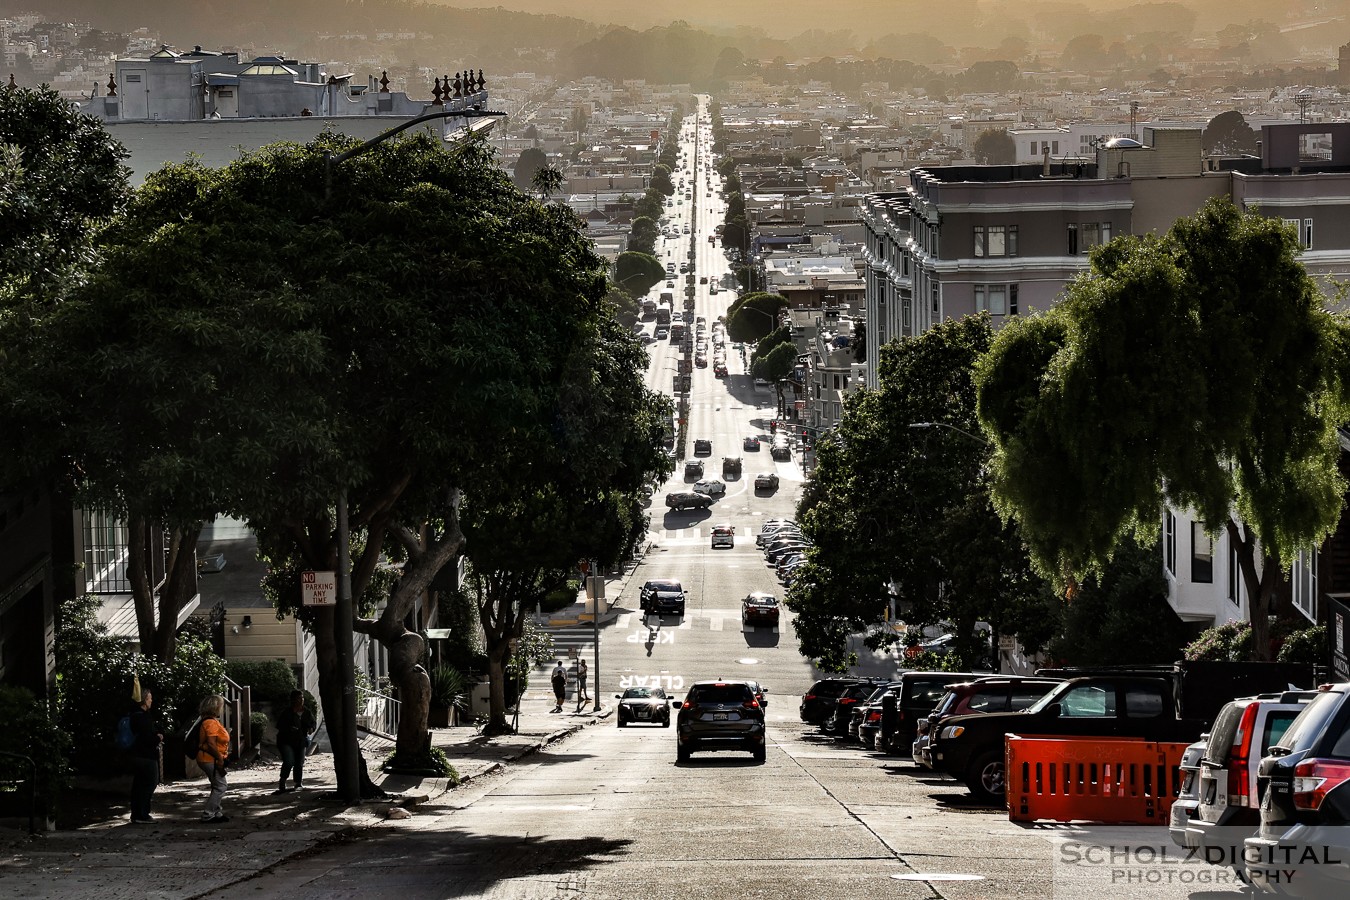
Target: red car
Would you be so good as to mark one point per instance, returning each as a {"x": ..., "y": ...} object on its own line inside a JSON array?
[{"x": 759, "y": 608}]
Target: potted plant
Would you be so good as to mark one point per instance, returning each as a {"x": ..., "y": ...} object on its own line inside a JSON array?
[{"x": 449, "y": 697}]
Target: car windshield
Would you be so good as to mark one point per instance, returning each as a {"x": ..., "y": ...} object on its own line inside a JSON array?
[
  {"x": 720, "y": 693},
  {"x": 663, "y": 585},
  {"x": 1052, "y": 697},
  {"x": 644, "y": 693},
  {"x": 1311, "y": 720},
  {"x": 762, "y": 601}
]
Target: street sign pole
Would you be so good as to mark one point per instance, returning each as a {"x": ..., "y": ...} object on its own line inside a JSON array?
[
  {"x": 595, "y": 622},
  {"x": 349, "y": 771}
]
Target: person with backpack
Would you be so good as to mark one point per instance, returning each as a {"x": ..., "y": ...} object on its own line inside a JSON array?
[
  {"x": 146, "y": 742},
  {"x": 213, "y": 749},
  {"x": 294, "y": 727}
]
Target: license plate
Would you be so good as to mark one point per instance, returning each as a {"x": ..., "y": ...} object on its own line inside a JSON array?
[{"x": 719, "y": 716}]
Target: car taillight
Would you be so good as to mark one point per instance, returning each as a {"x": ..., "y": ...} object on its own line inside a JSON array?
[
  {"x": 687, "y": 705},
  {"x": 847, "y": 700},
  {"x": 809, "y": 697},
  {"x": 874, "y": 716},
  {"x": 1315, "y": 778},
  {"x": 1239, "y": 781},
  {"x": 751, "y": 704}
]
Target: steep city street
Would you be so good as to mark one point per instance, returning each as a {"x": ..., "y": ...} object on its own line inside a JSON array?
[{"x": 608, "y": 813}]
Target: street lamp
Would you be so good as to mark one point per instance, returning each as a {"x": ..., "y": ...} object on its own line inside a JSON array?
[
  {"x": 970, "y": 434},
  {"x": 349, "y": 774}
]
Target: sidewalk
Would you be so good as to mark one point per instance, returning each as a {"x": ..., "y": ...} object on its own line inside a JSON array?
[
  {"x": 98, "y": 853},
  {"x": 616, "y": 584}
]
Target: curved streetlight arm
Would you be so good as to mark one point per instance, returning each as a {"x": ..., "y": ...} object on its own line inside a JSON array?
[
  {"x": 329, "y": 160},
  {"x": 923, "y": 426}
]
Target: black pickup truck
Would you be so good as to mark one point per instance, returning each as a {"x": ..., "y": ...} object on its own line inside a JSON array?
[{"x": 1156, "y": 703}]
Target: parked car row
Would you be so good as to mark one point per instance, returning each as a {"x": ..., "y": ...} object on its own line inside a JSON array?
[
  {"x": 1266, "y": 794},
  {"x": 784, "y": 546}
]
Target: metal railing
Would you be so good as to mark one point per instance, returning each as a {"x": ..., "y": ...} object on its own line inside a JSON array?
[
  {"x": 377, "y": 713},
  {"x": 238, "y": 714}
]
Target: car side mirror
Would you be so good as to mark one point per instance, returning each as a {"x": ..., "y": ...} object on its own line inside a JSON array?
[
  {"x": 618, "y": 696},
  {"x": 1054, "y": 710}
]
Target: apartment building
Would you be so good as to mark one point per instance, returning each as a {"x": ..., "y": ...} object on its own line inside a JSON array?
[{"x": 1008, "y": 239}]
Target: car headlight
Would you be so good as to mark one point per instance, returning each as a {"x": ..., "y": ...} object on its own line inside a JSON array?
[{"x": 951, "y": 731}]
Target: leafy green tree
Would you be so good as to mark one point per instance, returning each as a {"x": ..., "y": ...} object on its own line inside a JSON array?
[
  {"x": 573, "y": 499},
  {"x": 651, "y": 204},
  {"x": 637, "y": 272},
  {"x": 775, "y": 364},
  {"x": 661, "y": 179},
  {"x": 1208, "y": 356},
  {"x": 995, "y": 147},
  {"x": 1229, "y": 133},
  {"x": 905, "y": 512},
  {"x": 530, "y": 161},
  {"x": 751, "y": 317},
  {"x": 1121, "y": 617},
  {"x": 643, "y": 234},
  {"x": 547, "y": 180},
  {"x": 331, "y": 364}
]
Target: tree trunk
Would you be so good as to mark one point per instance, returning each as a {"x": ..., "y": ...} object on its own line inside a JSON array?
[
  {"x": 414, "y": 694},
  {"x": 498, "y": 652},
  {"x": 330, "y": 698},
  {"x": 157, "y": 616},
  {"x": 1260, "y": 586}
]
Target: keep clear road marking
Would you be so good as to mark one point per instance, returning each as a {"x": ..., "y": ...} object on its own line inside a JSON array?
[{"x": 715, "y": 623}]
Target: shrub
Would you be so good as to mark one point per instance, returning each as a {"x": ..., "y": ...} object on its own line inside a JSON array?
[
  {"x": 561, "y": 598},
  {"x": 94, "y": 678},
  {"x": 257, "y": 726},
  {"x": 30, "y": 730},
  {"x": 1306, "y": 646},
  {"x": 1229, "y": 642},
  {"x": 449, "y": 689},
  {"x": 271, "y": 680}
]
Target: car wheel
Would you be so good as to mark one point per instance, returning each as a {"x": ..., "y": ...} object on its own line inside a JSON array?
[
  {"x": 985, "y": 778},
  {"x": 622, "y": 723},
  {"x": 682, "y": 754},
  {"x": 761, "y": 753}
]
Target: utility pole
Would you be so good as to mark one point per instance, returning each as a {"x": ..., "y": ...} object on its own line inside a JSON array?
[
  {"x": 595, "y": 624},
  {"x": 349, "y": 767}
]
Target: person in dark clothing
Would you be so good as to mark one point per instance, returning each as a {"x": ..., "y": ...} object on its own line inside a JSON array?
[
  {"x": 295, "y": 725},
  {"x": 145, "y": 758}
]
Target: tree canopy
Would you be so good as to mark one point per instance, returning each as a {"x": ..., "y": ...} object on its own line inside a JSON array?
[
  {"x": 906, "y": 510},
  {"x": 1197, "y": 370},
  {"x": 422, "y": 330},
  {"x": 1229, "y": 133},
  {"x": 753, "y": 316},
  {"x": 636, "y": 272},
  {"x": 995, "y": 147}
]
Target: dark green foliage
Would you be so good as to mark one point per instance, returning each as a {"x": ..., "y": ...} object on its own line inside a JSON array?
[
  {"x": 95, "y": 678},
  {"x": 776, "y": 364},
  {"x": 753, "y": 316},
  {"x": 1206, "y": 352},
  {"x": 1229, "y": 134},
  {"x": 271, "y": 680},
  {"x": 1311, "y": 646},
  {"x": 449, "y": 689},
  {"x": 995, "y": 147},
  {"x": 30, "y": 730},
  {"x": 1119, "y": 618},
  {"x": 457, "y": 612},
  {"x": 892, "y": 507},
  {"x": 531, "y": 160},
  {"x": 637, "y": 272}
]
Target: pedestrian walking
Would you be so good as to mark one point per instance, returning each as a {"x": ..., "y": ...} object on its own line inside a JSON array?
[
  {"x": 295, "y": 726},
  {"x": 146, "y": 749},
  {"x": 582, "y": 696},
  {"x": 213, "y": 749},
  {"x": 559, "y": 686}
]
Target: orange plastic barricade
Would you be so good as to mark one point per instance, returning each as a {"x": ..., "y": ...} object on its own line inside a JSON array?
[{"x": 1117, "y": 781}]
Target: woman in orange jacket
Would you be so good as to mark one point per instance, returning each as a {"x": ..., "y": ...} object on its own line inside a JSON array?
[{"x": 213, "y": 748}]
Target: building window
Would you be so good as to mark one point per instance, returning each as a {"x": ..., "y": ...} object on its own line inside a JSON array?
[
  {"x": 996, "y": 299},
  {"x": 1054, "y": 147},
  {"x": 1202, "y": 555},
  {"x": 105, "y": 554},
  {"x": 995, "y": 240},
  {"x": 1083, "y": 237},
  {"x": 1303, "y": 229},
  {"x": 1304, "y": 581},
  {"x": 906, "y": 321},
  {"x": 1234, "y": 577},
  {"x": 935, "y": 298},
  {"x": 1170, "y": 541}
]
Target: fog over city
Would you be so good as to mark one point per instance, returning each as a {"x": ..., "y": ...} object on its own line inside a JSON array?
[{"x": 683, "y": 40}]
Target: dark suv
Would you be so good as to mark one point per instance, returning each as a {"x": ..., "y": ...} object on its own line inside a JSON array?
[
  {"x": 1303, "y": 844},
  {"x": 818, "y": 701},
  {"x": 918, "y": 693},
  {"x": 662, "y": 597},
  {"x": 721, "y": 715}
]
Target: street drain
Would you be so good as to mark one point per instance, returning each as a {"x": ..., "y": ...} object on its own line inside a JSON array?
[{"x": 939, "y": 876}]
